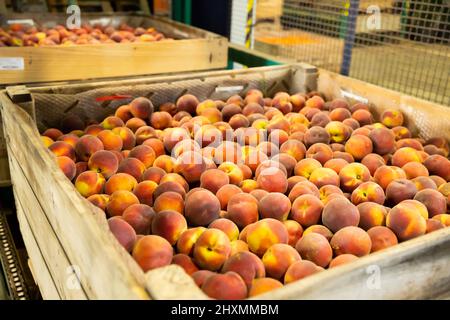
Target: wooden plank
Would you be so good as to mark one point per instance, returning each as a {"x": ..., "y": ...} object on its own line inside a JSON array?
[
  {"x": 45, "y": 282},
  {"x": 415, "y": 269},
  {"x": 45, "y": 237},
  {"x": 81, "y": 229}
]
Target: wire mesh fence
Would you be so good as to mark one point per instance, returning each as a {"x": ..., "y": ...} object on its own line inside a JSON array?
[{"x": 401, "y": 45}]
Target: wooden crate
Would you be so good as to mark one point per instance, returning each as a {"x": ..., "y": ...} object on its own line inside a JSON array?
[
  {"x": 192, "y": 49},
  {"x": 63, "y": 231}
]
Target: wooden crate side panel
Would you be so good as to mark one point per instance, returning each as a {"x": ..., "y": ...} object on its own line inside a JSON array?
[
  {"x": 94, "y": 61},
  {"x": 59, "y": 266},
  {"x": 38, "y": 265},
  {"x": 80, "y": 228},
  {"x": 416, "y": 269}
]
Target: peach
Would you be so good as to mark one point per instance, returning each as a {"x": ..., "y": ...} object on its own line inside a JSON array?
[
  {"x": 242, "y": 209},
  {"x": 274, "y": 205},
  {"x": 433, "y": 200},
  {"x": 320, "y": 152},
  {"x": 133, "y": 167},
  {"x": 225, "y": 193},
  {"x": 358, "y": 146},
  {"x": 278, "y": 258},
  {"x": 269, "y": 148},
  {"x": 292, "y": 181},
  {"x": 412, "y": 143},
  {"x": 443, "y": 218},
  {"x": 94, "y": 129},
  {"x": 401, "y": 133},
  {"x": 228, "y": 286},
  {"x": 352, "y": 175},
  {"x": 156, "y": 144},
  {"x": 315, "y": 248},
  {"x": 228, "y": 151},
  {"x": 86, "y": 146},
  {"x": 165, "y": 162},
  {"x": 316, "y": 134},
  {"x": 338, "y": 132},
  {"x": 438, "y": 165},
  {"x": 368, "y": 191},
  {"x": 104, "y": 162},
  {"x": 272, "y": 180},
  {"x": 123, "y": 232},
  {"x": 47, "y": 141},
  {"x": 185, "y": 262},
  {"x": 201, "y": 208},
  {"x": 144, "y": 154},
  {"x": 399, "y": 190},
  {"x": 315, "y": 102},
  {"x": 351, "y": 240},
  {"x": 69, "y": 138},
  {"x": 282, "y": 102},
  {"x": 306, "y": 210},
  {"x": 110, "y": 140},
  {"x": 161, "y": 120},
  {"x": 391, "y": 118},
  {"x": 187, "y": 239},
  {"x": 343, "y": 155},
  {"x": 246, "y": 171},
  {"x": 384, "y": 175},
  {"x": 324, "y": 176},
  {"x": 89, "y": 183},
  {"x": 301, "y": 188},
  {"x": 433, "y": 225},
  {"x": 422, "y": 182},
  {"x": 270, "y": 164},
  {"x": 299, "y": 270},
  {"x": 439, "y": 181},
  {"x": 248, "y": 185},
  {"x": 175, "y": 177},
  {"x": 52, "y": 133},
  {"x": 364, "y": 117},
  {"x": 119, "y": 201},
  {"x": 247, "y": 265},
  {"x": 373, "y": 161},
  {"x": 127, "y": 136},
  {"x": 123, "y": 112},
  {"x": 139, "y": 216},
  {"x": 280, "y": 125},
  {"x": 229, "y": 111},
  {"x": 188, "y": 103},
  {"x": 169, "y": 201},
  {"x": 141, "y": 107},
  {"x": 352, "y": 123},
  {"x": 99, "y": 200},
  {"x": 339, "y": 114},
  {"x": 169, "y": 224},
  {"x": 440, "y": 143},
  {"x": 169, "y": 186},
  {"x": 239, "y": 121},
  {"x": 342, "y": 259},
  {"x": 287, "y": 161},
  {"x": 142, "y": 132},
  {"x": 263, "y": 285},
  {"x": 383, "y": 140},
  {"x": 264, "y": 233},
  {"x": 336, "y": 165},
  {"x": 382, "y": 238},
  {"x": 258, "y": 194},
  {"x": 339, "y": 213},
  {"x": 326, "y": 191},
  {"x": 234, "y": 173},
  {"x": 61, "y": 148},
  {"x": 277, "y": 136},
  {"x": 407, "y": 219},
  {"x": 112, "y": 122},
  {"x": 151, "y": 252},
  {"x": 295, "y": 231},
  {"x": 67, "y": 166},
  {"x": 120, "y": 181},
  {"x": 211, "y": 249},
  {"x": 305, "y": 167},
  {"x": 227, "y": 226},
  {"x": 371, "y": 215},
  {"x": 405, "y": 155},
  {"x": 320, "y": 119},
  {"x": 80, "y": 166},
  {"x": 253, "y": 158}
]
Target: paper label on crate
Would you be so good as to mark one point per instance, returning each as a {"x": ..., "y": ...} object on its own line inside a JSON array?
[
  {"x": 21, "y": 21},
  {"x": 229, "y": 88},
  {"x": 12, "y": 64}
]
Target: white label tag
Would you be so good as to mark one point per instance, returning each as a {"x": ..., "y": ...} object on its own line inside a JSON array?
[
  {"x": 21, "y": 21},
  {"x": 12, "y": 64},
  {"x": 230, "y": 88}
]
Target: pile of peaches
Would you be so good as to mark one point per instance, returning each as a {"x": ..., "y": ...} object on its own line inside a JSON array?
[
  {"x": 253, "y": 193},
  {"x": 19, "y": 35}
]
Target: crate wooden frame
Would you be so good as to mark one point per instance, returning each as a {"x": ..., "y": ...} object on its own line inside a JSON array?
[
  {"x": 193, "y": 50},
  {"x": 61, "y": 229}
]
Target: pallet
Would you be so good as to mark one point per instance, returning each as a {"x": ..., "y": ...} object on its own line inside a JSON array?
[
  {"x": 204, "y": 50},
  {"x": 62, "y": 229}
]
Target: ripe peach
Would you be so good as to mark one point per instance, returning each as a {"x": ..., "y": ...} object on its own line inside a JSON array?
[
  {"x": 69, "y": 138},
  {"x": 358, "y": 146},
  {"x": 351, "y": 240},
  {"x": 433, "y": 225},
  {"x": 169, "y": 201},
  {"x": 227, "y": 226},
  {"x": 67, "y": 166},
  {"x": 324, "y": 176},
  {"x": 384, "y": 175},
  {"x": 292, "y": 181},
  {"x": 371, "y": 215},
  {"x": 383, "y": 140},
  {"x": 94, "y": 129},
  {"x": 169, "y": 186},
  {"x": 52, "y": 133},
  {"x": 305, "y": 167},
  {"x": 364, "y": 117},
  {"x": 123, "y": 112},
  {"x": 228, "y": 286},
  {"x": 123, "y": 232},
  {"x": 320, "y": 152},
  {"x": 352, "y": 123},
  {"x": 156, "y": 145},
  {"x": 47, "y": 141},
  {"x": 151, "y": 252},
  {"x": 338, "y": 132},
  {"x": 242, "y": 209},
  {"x": 287, "y": 161},
  {"x": 315, "y": 102},
  {"x": 352, "y": 175},
  {"x": 391, "y": 118},
  {"x": 119, "y": 201},
  {"x": 81, "y": 166},
  {"x": 424, "y": 183},
  {"x": 339, "y": 114},
  {"x": 247, "y": 265},
  {"x": 234, "y": 173},
  {"x": 295, "y": 231},
  {"x": 104, "y": 162},
  {"x": 225, "y": 193},
  {"x": 300, "y": 270},
  {"x": 185, "y": 262},
  {"x": 339, "y": 213},
  {"x": 139, "y": 216},
  {"x": 263, "y": 285},
  {"x": 335, "y": 164},
  {"x": 320, "y": 119},
  {"x": 316, "y": 134},
  {"x": 165, "y": 162},
  {"x": 246, "y": 171},
  {"x": 110, "y": 140},
  {"x": 141, "y": 107},
  {"x": 407, "y": 219},
  {"x": 438, "y": 165},
  {"x": 301, "y": 188},
  {"x": 278, "y": 258},
  {"x": 112, "y": 122},
  {"x": 187, "y": 239},
  {"x": 381, "y": 237},
  {"x": 211, "y": 249},
  {"x": 188, "y": 103},
  {"x": 408, "y": 142},
  {"x": 169, "y": 224},
  {"x": 264, "y": 233},
  {"x": 368, "y": 191},
  {"x": 399, "y": 190},
  {"x": 270, "y": 164},
  {"x": 143, "y": 153},
  {"x": 306, "y": 210},
  {"x": 342, "y": 259},
  {"x": 86, "y": 146},
  {"x": 443, "y": 218},
  {"x": 316, "y": 248},
  {"x": 274, "y": 205},
  {"x": 201, "y": 208},
  {"x": 433, "y": 200},
  {"x": 405, "y": 155},
  {"x": 99, "y": 200},
  {"x": 89, "y": 183},
  {"x": 272, "y": 180},
  {"x": 175, "y": 177},
  {"x": 133, "y": 167},
  {"x": 61, "y": 148},
  {"x": 248, "y": 185},
  {"x": 127, "y": 136},
  {"x": 373, "y": 161}
]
